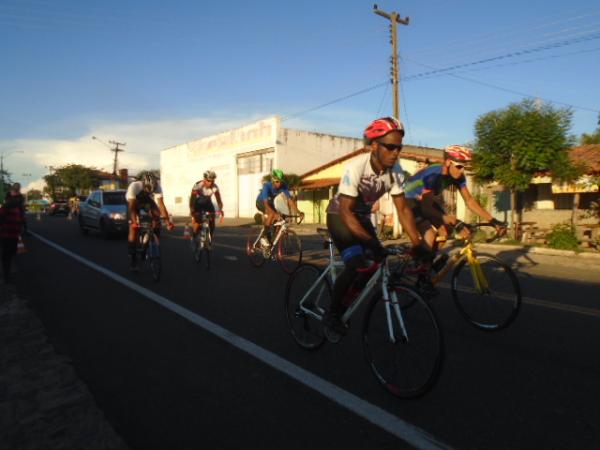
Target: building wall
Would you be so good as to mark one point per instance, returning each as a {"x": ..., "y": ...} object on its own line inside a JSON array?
[
  {"x": 300, "y": 151},
  {"x": 183, "y": 165}
]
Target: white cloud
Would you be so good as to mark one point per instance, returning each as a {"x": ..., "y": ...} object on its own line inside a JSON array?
[{"x": 144, "y": 141}]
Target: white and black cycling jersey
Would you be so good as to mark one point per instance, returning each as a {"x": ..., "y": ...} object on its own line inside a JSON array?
[
  {"x": 136, "y": 191},
  {"x": 201, "y": 190},
  {"x": 359, "y": 180}
]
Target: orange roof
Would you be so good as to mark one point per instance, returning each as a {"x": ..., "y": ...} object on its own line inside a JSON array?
[
  {"x": 587, "y": 154},
  {"x": 317, "y": 184},
  {"x": 423, "y": 154}
]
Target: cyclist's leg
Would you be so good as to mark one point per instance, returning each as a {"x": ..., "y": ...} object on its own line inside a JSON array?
[
  {"x": 155, "y": 215},
  {"x": 195, "y": 221},
  {"x": 132, "y": 238},
  {"x": 352, "y": 253}
]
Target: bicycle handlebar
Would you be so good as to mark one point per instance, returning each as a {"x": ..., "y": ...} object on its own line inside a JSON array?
[{"x": 497, "y": 235}]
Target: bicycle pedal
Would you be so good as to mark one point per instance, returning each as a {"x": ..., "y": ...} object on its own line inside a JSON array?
[{"x": 332, "y": 336}]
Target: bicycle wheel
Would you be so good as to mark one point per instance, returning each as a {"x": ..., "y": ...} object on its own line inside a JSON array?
[
  {"x": 254, "y": 250},
  {"x": 305, "y": 321},
  {"x": 289, "y": 251},
  {"x": 408, "y": 365},
  {"x": 154, "y": 260},
  {"x": 205, "y": 248},
  {"x": 493, "y": 307}
]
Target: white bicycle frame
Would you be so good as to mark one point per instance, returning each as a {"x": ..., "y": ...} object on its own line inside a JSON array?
[
  {"x": 380, "y": 276},
  {"x": 283, "y": 224}
]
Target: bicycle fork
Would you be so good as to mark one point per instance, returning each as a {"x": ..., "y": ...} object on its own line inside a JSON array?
[
  {"x": 390, "y": 300},
  {"x": 481, "y": 283}
]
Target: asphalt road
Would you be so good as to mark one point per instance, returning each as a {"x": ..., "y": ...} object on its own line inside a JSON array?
[{"x": 166, "y": 383}]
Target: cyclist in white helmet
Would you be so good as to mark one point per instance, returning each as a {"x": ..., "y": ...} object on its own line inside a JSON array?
[
  {"x": 145, "y": 194},
  {"x": 201, "y": 200}
]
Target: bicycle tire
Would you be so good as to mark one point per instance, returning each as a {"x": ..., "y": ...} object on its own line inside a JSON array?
[
  {"x": 307, "y": 330},
  {"x": 289, "y": 251},
  {"x": 153, "y": 254},
  {"x": 254, "y": 252},
  {"x": 205, "y": 250},
  {"x": 504, "y": 296},
  {"x": 395, "y": 364}
]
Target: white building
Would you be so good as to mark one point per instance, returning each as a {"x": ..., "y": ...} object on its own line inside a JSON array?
[{"x": 241, "y": 158}]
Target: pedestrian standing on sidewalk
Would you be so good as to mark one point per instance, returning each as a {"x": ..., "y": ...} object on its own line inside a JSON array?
[
  {"x": 12, "y": 214},
  {"x": 15, "y": 194}
]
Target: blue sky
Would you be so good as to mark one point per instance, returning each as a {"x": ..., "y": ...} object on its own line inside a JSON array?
[{"x": 155, "y": 74}]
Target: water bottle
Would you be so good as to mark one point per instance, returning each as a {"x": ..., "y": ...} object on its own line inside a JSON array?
[{"x": 146, "y": 239}]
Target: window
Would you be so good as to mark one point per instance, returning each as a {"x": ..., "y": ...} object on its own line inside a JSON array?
[
  {"x": 256, "y": 162},
  {"x": 114, "y": 198}
]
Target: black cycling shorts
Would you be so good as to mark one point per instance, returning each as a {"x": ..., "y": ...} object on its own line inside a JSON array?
[
  {"x": 421, "y": 217},
  {"x": 347, "y": 244},
  {"x": 203, "y": 204},
  {"x": 260, "y": 205}
]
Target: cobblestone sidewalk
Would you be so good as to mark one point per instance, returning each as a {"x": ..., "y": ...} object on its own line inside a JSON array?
[{"x": 43, "y": 404}]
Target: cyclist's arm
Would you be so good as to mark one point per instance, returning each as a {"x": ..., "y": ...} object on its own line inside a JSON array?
[
  {"x": 473, "y": 204},
  {"x": 433, "y": 212},
  {"x": 406, "y": 218},
  {"x": 192, "y": 197},
  {"x": 347, "y": 205},
  {"x": 163, "y": 209},
  {"x": 219, "y": 201}
]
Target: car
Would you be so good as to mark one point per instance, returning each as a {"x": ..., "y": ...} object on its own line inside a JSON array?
[
  {"x": 104, "y": 211},
  {"x": 59, "y": 206}
]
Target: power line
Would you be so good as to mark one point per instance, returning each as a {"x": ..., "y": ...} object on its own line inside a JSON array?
[
  {"x": 337, "y": 100},
  {"x": 507, "y": 55},
  {"x": 512, "y": 91}
]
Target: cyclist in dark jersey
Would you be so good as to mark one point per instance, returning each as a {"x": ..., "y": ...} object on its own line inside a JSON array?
[
  {"x": 424, "y": 194},
  {"x": 365, "y": 179}
]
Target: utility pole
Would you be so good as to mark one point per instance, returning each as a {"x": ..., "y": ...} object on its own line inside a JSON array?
[
  {"x": 116, "y": 150},
  {"x": 394, "y": 19}
]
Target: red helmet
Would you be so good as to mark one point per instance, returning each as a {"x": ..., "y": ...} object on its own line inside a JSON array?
[
  {"x": 458, "y": 153},
  {"x": 380, "y": 127}
]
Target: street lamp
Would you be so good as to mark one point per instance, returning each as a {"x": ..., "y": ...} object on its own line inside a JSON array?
[{"x": 2, "y": 156}]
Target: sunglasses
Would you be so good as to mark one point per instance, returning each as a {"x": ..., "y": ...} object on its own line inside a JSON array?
[
  {"x": 458, "y": 166},
  {"x": 276, "y": 181},
  {"x": 391, "y": 147}
]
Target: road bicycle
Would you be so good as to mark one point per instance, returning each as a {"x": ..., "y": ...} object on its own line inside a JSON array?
[
  {"x": 148, "y": 248},
  {"x": 484, "y": 288},
  {"x": 401, "y": 336},
  {"x": 285, "y": 248},
  {"x": 201, "y": 242}
]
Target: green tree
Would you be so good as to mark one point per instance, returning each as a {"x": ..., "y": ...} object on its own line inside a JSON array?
[
  {"x": 593, "y": 138},
  {"x": 515, "y": 143},
  {"x": 75, "y": 177},
  {"x": 53, "y": 184}
]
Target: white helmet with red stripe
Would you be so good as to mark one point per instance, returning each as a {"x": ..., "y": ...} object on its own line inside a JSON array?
[{"x": 458, "y": 153}]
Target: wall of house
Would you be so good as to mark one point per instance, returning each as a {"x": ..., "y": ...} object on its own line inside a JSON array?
[
  {"x": 301, "y": 151},
  {"x": 183, "y": 165}
]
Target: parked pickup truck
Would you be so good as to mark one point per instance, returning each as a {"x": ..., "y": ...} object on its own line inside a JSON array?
[{"x": 104, "y": 211}]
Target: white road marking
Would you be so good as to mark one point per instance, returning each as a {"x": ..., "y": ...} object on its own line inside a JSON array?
[
  {"x": 230, "y": 257},
  {"x": 403, "y": 430}
]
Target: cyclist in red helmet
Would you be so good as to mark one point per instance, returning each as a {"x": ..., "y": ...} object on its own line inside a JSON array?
[
  {"x": 365, "y": 179},
  {"x": 424, "y": 194}
]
